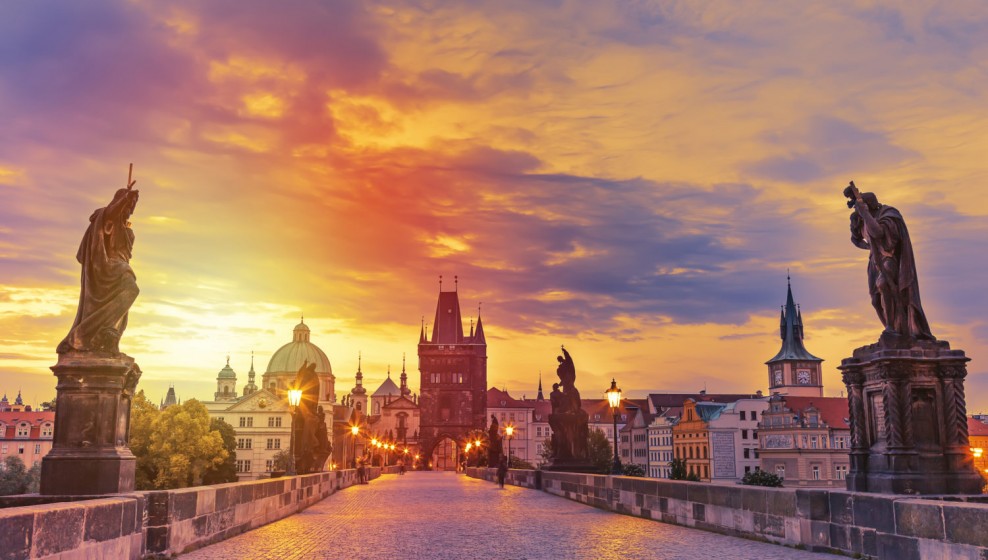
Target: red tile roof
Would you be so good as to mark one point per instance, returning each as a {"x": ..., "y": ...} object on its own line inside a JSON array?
[
  {"x": 497, "y": 398},
  {"x": 10, "y": 420},
  {"x": 833, "y": 410},
  {"x": 976, "y": 427}
]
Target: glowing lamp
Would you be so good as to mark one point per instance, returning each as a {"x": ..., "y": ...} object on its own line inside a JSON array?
[
  {"x": 294, "y": 396},
  {"x": 510, "y": 430},
  {"x": 354, "y": 430},
  {"x": 614, "y": 395}
]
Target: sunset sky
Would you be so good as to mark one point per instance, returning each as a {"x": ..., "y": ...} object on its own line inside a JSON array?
[{"x": 630, "y": 179}]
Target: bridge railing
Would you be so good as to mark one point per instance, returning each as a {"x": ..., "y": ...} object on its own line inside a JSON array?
[
  {"x": 166, "y": 522},
  {"x": 885, "y": 526}
]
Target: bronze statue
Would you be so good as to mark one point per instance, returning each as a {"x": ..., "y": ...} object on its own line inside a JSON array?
[
  {"x": 494, "y": 446},
  {"x": 109, "y": 286},
  {"x": 892, "y": 280}
]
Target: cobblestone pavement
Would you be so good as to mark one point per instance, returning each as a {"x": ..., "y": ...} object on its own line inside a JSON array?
[{"x": 445, "y": 515}]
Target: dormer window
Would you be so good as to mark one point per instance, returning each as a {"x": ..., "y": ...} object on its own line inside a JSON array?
[{"x": 47, "y": 430}]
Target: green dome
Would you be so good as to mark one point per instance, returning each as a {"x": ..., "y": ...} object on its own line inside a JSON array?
[
  {"x": 290, "y": 357},
  {"x": 227, "y": 372}
]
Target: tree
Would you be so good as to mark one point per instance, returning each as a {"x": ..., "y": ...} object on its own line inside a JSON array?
[
  {"x": 761, "y": 478},
  {"x": 282, "y": 461},
  {"x": 143, "y": 414},
  {"x": 517, "y": 463},
  {"x": 631, "y": 469},
  {"x": 600, "y": 451},
  {"x": 227, "y": 470},
  {"x": 546, "y": 453},
  {"x": 15, "y": 478},
  {"x": 677, "y": 471}
]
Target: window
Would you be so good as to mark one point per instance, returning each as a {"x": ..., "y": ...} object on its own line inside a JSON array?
[
  {"x": 816, "y": 472},
  {"x": 3, "y": 450},
  {"x": 246, "y": 421},
  {"x": 47, "y": 430},
  {"x": 813, "y": 442},
  {"x": 37, "y": 449},
  {"x": 269, "y": 465},
  {"x": 274, "y": 422},
  {"x": 20, "y": 448},
  {"x": 753, "y": 413},
  {"x": 244, "y": 443},
  {"x": 744, "y": 434},
  {"x": 780, "y": 471},
  {"x": 742, "y": 415},
  {"x": 243, "y": 465},
  {"x": 511, "y": 416},
  {"x": 274, "y": 443},
  {"x": 747, "y": 453},
  {"x": 747, "y": 470},
  {"x": 23, "y": 429},
  {"x": 840, "y": 471}
]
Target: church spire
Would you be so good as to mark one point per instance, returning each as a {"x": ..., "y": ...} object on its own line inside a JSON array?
[
  {"x": 478, "y": 335},
  {"x": 405, "y": 391},
  {"x": 791, "y": 331},
  {"x": 540, "y": 397},
  {"x": 359, "y": 388},
  {"x": 422, "y": 331}
]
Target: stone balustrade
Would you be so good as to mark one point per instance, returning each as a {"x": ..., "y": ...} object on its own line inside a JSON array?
[
  {"x": 884, "y": 526},
  {"x": 164, "y": 522}
]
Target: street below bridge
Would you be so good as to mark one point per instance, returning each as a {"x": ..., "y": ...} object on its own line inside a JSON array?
[{"x": 445, "y": 516}]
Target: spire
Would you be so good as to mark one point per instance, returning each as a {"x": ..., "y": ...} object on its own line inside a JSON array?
[
  {"x": 478, "y": 335},
  {"x": 18, "y": 400},
  {"x": 359, "y": 388},
  {"x": 791, "y": 331},
  {"x": 448, "y": 325},
  {"x": 540, "y": 397},
  {"x": 422, "y": 331},
  {"x": 251, "y": 373},
  {"x": 471, "y": 327},
  {"x": 405, "y": 391}
]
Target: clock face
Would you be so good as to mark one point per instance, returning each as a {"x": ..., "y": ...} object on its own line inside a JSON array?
[
  {"x": 778, "y": 378},
  {"x": 803, "y": 377}
]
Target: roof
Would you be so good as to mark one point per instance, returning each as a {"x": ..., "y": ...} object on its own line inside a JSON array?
[
  {"x": 661, "y": 401},
  {"x": 976, "y": 427},
  {"x": 708, "y": 411},
  {"x": 10, "y": 421},
  {"x": 227, "y": 371},
  {"x": 791, "y": 331},
  {"x": 290, "y": 357},
  {"x": 599, "y": 410},
  {"x": 387, "y": 389},
  {"x": 448, "y": 325},
  {"x": 833, "y": 410},
  {"x": 497, "y": 398}
]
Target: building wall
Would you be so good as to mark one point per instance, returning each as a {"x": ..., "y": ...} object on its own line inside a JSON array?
[
  {"x": 691, "y": 441},
  {"x": 27, "y": 435}
]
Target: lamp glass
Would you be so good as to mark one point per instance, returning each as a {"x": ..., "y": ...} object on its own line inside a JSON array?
[{"x": 294, "y": 396}]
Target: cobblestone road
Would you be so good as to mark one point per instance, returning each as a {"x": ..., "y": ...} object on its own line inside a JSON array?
[{"x": 445, "y": 515}]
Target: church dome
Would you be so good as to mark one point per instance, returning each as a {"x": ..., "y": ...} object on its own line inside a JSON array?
[
  {"x": 290, "y": 357},
  {"x": 227, "y": 371}
]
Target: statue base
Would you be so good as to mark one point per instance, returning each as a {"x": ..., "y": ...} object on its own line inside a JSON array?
[
  {"x": 89, "y": 454},
  {"x": 909, "y": 419}
]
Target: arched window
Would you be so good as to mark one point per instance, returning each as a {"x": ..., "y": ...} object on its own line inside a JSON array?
[
  {"x": 377, "y": 408},
  {"x": 704, "y": 452},
  {"x": 691, "y": 452}
]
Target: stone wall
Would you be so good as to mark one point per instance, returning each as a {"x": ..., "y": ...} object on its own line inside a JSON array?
[
  {"x": 881, "y": 526},
  {"x": 167, "y": 521}
]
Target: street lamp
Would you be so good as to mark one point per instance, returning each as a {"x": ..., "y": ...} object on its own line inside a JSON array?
[
  {"x": 614, "y": 399},
  {"x": 294, "y": 398},
  {"x": 354, "y": 431},
  {"x": 476, "y": 445},
  {"x": 509, "y": 431}
]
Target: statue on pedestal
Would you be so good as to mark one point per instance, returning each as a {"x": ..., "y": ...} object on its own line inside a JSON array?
[
  {"x": 307, "y": 421},
  {"x": 568, "y": 421},
  {"x": 906, "y": 392},
  {"x": 96, "y": 382},
  {"x": 495, "y": 448}
]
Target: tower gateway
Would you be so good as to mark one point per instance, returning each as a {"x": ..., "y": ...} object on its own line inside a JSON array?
[
  {"x": 794, "y": 371},
  {"x": 453, "y": 383}
]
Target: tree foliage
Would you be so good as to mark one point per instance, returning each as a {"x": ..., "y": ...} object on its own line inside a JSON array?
[
  {"x": 761, "y": 478},
  {"x": 677, "y": 471},
  {"x": 176, "y": 447},
  {"x": 546, "y": 454},
  {"x": 227, "y": 470},
  {"x": 632, "y": 469},
  {"x": 15, "y": 478},
  {"x": 282, "y": 460},
  {"x": 601, "y": 452},
  {"x": 517, "y": 463}
]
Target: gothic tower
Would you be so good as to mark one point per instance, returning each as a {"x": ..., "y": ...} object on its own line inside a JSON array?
[
  {"x": 794, "y": 371},
  {"x": 453, "y": 381}
]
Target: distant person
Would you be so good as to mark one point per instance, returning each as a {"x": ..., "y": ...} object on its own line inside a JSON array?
[
  {"x": 361, "y": 472},
  {"x": 401, "y": 466},
  {"x": 502, "y": 471}
]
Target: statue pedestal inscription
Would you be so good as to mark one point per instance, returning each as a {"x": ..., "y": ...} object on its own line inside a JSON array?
[
  {"x": 909, "y": 419},
  {"x": 89, "y": 453}
]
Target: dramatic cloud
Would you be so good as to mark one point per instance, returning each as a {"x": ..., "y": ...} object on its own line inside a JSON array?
[{"x": 632, "y": 179}]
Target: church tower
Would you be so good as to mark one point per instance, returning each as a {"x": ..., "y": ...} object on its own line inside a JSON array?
[
  {"x": 358, "y": 394},
  {"x": 226, "y": 383},
  {"x": 251, "y": 386},
  {"x": 794, "y": 371},
  {"x": 453, "y": 383}
]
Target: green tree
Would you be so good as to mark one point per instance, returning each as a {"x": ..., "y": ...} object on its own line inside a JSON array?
[
  {"x": 761, "y": 478},
  {"x": 14, "y": 477},
  {"x": 632, "y": 469},
  {"x": 282, "y": 460},
  {"x": 677, "y": 471},
  {"x": 143, "y": 415},
  {"x": 517, "y": 463},
  {"x": 183, "y": 447},
  {"x": 546, "y": 454},
  {"x": 600, "y": 451},
  {"x": 227, "y": 470}
]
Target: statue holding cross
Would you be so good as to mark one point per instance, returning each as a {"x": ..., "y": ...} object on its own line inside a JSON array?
[{"x": 109, "y": 286}]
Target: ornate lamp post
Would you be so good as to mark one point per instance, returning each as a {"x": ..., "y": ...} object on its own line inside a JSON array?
[
  {"x": 476, "y": 445},
  {"x": 614, "y": 399},
  {"x": 354, "y": 432},
  {"x": 509, "y": 431},
  {"x": 466, "y": 449},
  {"x": 294, "y": 398}
]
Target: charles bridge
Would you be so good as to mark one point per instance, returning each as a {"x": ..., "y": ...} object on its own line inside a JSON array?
[{"x": 538, "y": 515}]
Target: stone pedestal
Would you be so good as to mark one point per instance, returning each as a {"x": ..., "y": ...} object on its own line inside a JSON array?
[
  {"x": 909, "y": 419},
  {"x": 89, "y": 453}
]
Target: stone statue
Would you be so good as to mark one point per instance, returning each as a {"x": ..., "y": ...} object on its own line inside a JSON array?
[
  {"x": 892, "y": 280},
  {"x": 323, "y": 447},
  {"x": 568, "y": 420},
  {"x": 494, "y": 447},
  {"x": 306, "y": 420},
  {"x": 109, "y": 286}
]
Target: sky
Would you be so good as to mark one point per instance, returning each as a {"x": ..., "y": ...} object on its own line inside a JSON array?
[{"x": 630, "y": 179}]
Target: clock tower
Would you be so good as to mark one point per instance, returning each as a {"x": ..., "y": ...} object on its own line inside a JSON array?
[{"x": 794, "y": 371}]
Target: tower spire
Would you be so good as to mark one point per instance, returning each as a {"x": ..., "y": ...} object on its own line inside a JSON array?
[
  {"x": 540, "y": 397},
  {"x": 405, "y": 391},
  {"x": 358, "y": 389}
]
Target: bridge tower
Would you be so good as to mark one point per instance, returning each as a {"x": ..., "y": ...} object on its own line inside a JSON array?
[{"x": 453, "y": 383}]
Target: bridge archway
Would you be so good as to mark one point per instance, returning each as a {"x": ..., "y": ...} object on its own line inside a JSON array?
[{"x": 444, "y": 455}]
